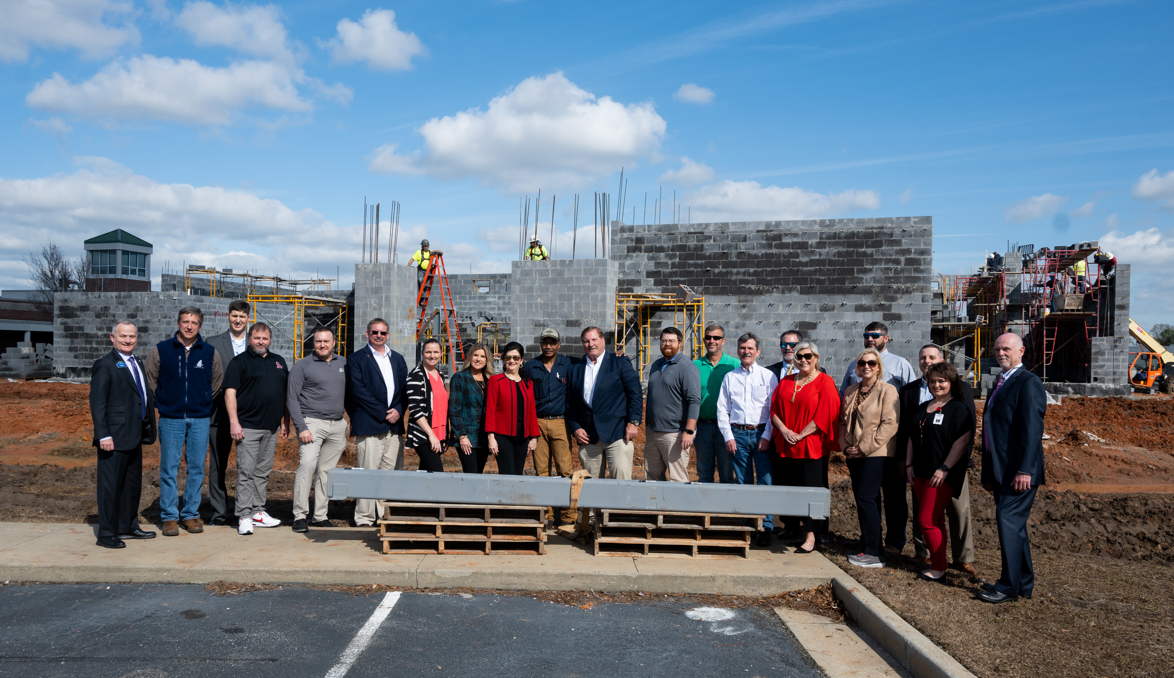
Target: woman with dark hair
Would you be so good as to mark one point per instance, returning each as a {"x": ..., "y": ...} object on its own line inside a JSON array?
[
  {"x": 936, "y": 459},
  {"x": 428, "y": 408},
  {"x": 467, "y": 405},
  {"x": 511, "y": 417}
]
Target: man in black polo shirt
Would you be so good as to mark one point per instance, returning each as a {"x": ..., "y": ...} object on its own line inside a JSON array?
[
  {"x": 552, "y": 457},
  {"x": 254, "y": 395}
]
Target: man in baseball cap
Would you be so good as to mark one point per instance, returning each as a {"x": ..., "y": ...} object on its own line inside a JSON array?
[{"x": 548, "y": 372}]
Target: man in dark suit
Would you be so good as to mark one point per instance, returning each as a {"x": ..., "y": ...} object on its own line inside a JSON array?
[
  {"x": 1013, "y": 465},
  {"x": 377, "y": 380},
  {"x": 228, "y": 344},
  {"x": 123, "y": 411},
  {"x": 911, "y": 396},
  {"x": 604, "y": 406}
]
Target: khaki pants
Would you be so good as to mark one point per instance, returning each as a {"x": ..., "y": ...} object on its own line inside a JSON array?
[
  {"x": 314, "y": 460},
  {"x": 384, "y": 452},
  {"x": 663, "y": 457},
  {"x": 961, "y": 532},
  {"x": 552, "y": 457},
  {"x": 254, "y": 463},
  {"x": 618, "y": 456}
]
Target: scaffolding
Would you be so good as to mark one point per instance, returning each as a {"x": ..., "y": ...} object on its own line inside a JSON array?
[
  {"x": 1061, "y": 314},
  {"x": 229, "y": 284},
  {"x": 302, "y": 315},
  {"x": 489, "y": 333},
  {"x": 634, "y": 313},
  {"x": 973, "y": 308}
]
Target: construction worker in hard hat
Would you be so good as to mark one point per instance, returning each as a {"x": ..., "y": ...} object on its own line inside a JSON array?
[
  {"x": 537, "y": 252},
  {"x": 420, "y": 261}
]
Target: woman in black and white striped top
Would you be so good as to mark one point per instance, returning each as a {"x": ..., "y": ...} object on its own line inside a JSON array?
[{"x": 427, "y": 409}]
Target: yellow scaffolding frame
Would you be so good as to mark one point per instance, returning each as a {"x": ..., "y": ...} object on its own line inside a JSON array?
[
  {"x": 634, "y": 313},
  {"x": 487, "y": 328},
  {"x": 301, "y": 303},
  {"x": 251, "y": 282}
]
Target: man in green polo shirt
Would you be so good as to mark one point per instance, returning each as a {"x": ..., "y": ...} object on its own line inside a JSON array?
[{"x": 709, "y": 445}]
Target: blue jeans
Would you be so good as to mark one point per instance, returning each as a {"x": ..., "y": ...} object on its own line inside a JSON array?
[
  {"x": 174, "y": 436},
  {"x": 752, "y": 466},
  {"x": 711, "y": 452}
]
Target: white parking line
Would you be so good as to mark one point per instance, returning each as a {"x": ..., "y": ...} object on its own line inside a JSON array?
[{"x": 363, "y": 637}]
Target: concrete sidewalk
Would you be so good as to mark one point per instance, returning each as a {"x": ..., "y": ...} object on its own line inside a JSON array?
[{"x": 53, "y": 552}]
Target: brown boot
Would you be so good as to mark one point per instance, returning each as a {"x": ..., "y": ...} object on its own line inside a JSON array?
[
  {"x": 193, "y": 525},
  {"x": 170, "y": 528},
  {"x": 969, "y": 569}
]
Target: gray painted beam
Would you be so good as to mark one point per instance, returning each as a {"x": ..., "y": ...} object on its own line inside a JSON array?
[{"x": 632, "y": 495}]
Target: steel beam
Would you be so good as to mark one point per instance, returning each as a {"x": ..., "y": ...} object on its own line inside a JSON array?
[{"x": 632, "y": 495}]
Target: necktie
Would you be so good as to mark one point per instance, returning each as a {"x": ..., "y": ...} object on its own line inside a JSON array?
[
  {"x": 986, "y": 433},
  {"x": 134, "y": 371}
]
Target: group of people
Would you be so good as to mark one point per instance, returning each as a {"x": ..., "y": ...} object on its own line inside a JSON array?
[{"x": 746, "y": 423}]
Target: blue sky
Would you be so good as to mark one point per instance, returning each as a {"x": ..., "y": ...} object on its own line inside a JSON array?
[{"x": 247, "y": 136}]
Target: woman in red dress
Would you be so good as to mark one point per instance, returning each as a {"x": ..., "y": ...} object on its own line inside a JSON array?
[{"x": 804, "y": 414}]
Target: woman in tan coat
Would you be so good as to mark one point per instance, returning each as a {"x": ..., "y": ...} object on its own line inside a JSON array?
[{"x": 868, "y": 434}]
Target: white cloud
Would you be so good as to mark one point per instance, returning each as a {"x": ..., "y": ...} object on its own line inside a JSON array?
[
  {"x": 694, "y": 94},
  {"x": 377, "y": 40},
  {"x": 184, "y": 91},
  {"x": 158, "y": 10},
  {"x": 1112, "y": 221},
  {"x": 1149, "y": 254},
  {"x": 1084, "y": 210},
  {"x": 1035, "y": 207},
  {"x": 1152, "y": 186},
  {"x": 690, "y": 174},
  {"x": 546, "y": 132},
  {"x": 65, "y": 24},
  {"x": 54, "y": 126},
  {"x": 252, "y": 29},
  {"x": 906, "y": 196},
  {"x": 749, "y": 201}
]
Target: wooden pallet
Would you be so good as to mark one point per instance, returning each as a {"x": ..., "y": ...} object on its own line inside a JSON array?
[
  {"x": 464, "y": 529},
  {"x": 673, "y": 535}
]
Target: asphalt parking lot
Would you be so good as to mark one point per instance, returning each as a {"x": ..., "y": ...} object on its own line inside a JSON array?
[{"x": 154, "y": 631}]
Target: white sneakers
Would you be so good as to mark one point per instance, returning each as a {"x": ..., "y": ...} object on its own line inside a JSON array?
[
  {"x": 263, "y": 519},
  {"x": 259, "y": 519}
]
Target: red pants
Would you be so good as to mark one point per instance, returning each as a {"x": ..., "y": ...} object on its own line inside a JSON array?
[{"x": 931, "y": 517}]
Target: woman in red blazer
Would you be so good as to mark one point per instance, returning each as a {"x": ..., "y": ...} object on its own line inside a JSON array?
[{"x": 511, "y": 418}]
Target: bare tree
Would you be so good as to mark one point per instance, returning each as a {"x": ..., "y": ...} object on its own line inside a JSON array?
[{"x": 52, "y": 271}]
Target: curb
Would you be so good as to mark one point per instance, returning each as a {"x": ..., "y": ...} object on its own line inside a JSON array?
[{"x": 912, "y": 650}]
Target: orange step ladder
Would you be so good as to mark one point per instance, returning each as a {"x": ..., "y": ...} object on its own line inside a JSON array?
[{"x": 452, "y": 333}]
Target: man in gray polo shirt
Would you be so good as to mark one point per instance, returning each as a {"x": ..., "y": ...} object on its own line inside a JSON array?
[
  {"x": 315, "y": 398},
  {"x": 674, "y": 400}
]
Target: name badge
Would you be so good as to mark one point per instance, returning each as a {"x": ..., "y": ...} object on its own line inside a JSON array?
[
  {"x": 937, "y": 418},
  {"x": 120, "y": 364}
]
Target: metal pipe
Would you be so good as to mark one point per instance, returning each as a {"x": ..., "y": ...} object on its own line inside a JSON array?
[
  {"x": 575, "y": 228},
  {"x": 364, "y": 260},
  {"x": 553, "y": 200},
  {"x": 375, "y": 247}
]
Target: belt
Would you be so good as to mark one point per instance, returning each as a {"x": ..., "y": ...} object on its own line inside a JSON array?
[
  {"x": 747, "y": 427},
  {"x": 557, "y": 416}
]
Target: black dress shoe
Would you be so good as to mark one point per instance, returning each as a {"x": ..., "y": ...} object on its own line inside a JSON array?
[
  {"x": 800, "y": 549},
  {"x": 764, "y": 539},
  {"x": 138, "y": 533},
  {"x": 300, "y": 525},
  {"x": 111, "y": 543},
  {"x": 218, "y": 521},
  {"x": 321, "y": 523},
  {"x": 995, "y": 597}
]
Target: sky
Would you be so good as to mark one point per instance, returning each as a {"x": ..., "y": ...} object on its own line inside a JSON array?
[{"x": 248, "y": 136}]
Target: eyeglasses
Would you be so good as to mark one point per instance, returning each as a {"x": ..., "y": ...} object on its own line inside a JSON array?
[
  {"x": 789, "y": 344},
  {"x": 804, "y": 357},
  {"x": 873, "y": 335},
  {"x": 512, "y": 359},
  {"x": 863, "y": 363},
  {"x": 713, "y": 337},
  {"x": 377, "y": 333}
]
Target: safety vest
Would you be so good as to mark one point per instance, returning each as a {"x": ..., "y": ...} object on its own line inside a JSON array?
[
  {"x": 537, "y": 253},
  {"x": 1080, "y": 267},
  {"x": 421, "y": 257}
]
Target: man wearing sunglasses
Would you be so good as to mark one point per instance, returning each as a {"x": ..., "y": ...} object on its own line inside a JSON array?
[
  {"x": 898, "y": 371},
  {"x": 377, "y": 378},
  {"x": 787, "y": 344},
  {"x": 709, "y": 446}
]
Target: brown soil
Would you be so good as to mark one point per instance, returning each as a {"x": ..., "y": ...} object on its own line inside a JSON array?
[{"x": 1101, "y": 538}]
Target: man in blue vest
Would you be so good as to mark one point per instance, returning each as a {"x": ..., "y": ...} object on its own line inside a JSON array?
[{"x": 184, "y": 375}]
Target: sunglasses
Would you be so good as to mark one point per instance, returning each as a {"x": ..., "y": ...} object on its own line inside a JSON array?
[
  {"x": 713, "y": 337},
  {"x": 512, "y": 359},
  {"x": 377, "y": 333},
  {"x": 862, "y": 363},
  {"x": 804, "y": 357},
  {"x": 789, "y": 344},
  {"x": 873, "y": 335}
]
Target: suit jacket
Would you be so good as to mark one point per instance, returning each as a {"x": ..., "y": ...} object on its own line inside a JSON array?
[
  {"x": 909, "y": 395},
  {"x": 223, "y": 344},
  {"x": 616, "y": 399},
  {"x": 1013, "y": 423},
  {"x": 367, "y": 393},
  {"x": 116, "y": 404}
]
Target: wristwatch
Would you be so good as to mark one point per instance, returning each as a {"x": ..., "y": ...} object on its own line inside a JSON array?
[
  {"x": 689, "y": 431},
  {"x": 944, "y": 468}
]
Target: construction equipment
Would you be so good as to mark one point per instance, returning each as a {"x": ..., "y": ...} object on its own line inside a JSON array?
[
  {"x": 1152, "y": 370},
  {"x": 454, "y": 351},
  {"x": 634, "y": 314}
]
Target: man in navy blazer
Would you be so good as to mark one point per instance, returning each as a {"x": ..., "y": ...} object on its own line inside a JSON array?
[
  {"x": 123, "y": 411},
  {"x": 1013, "y": 465},
  {"x": 377, "y": 379},
  {"x": 604, "y": 407}
]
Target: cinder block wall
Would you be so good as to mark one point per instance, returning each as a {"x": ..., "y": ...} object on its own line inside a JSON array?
[
  {"x": 567, "y": 294},
  {"x": 386, "y": 291},
  {"x": 82, "y": 322},
  {"x": 1109, "y": 360},
  {"x": 828, "y": 278},
  {"x": 473, "y": 307}
]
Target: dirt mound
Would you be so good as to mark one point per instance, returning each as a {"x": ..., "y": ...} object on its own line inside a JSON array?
[{"x": 1147, "y": 422}]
